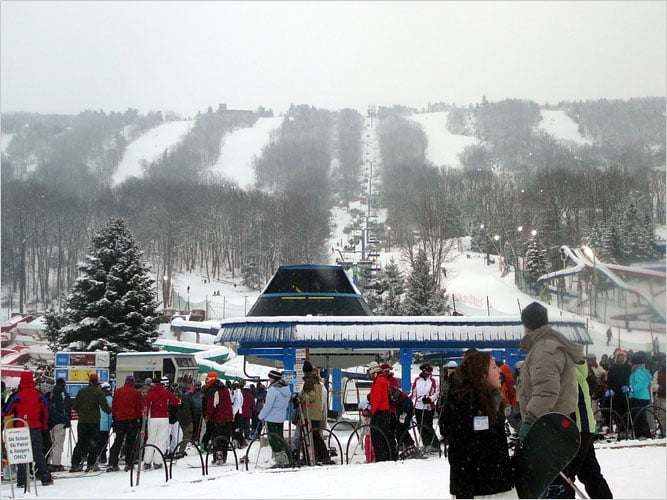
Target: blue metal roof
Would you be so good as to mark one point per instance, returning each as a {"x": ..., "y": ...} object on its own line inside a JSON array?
[{"x": 419, "y": 332}]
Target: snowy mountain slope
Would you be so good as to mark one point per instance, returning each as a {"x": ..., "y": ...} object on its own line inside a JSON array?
[
  {"x": 443, "y": 146},
  {"x": 148, "y": 147},
  {"x": 562, "y": 127},
  {"x": 240, "y": 147},
  {"x": 5, "y": 139}
]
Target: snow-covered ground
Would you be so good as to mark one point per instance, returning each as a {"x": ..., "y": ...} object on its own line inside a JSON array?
[
  {"x": 558, "y": 124},
  {"x": 632, "y": 472},
  {"x": 148, "y": 147},
  {"x": 240, "y": 147},
  {"x": 443, "y": 146},
  {"x": 632, "y": 469}
]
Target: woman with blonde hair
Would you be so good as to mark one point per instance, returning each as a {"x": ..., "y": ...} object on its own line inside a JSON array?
[{"x": 480, "y": 465}]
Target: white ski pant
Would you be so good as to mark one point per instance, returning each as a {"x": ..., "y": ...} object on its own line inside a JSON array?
[
  {"x": 58, "y": 440},
  {"x": 158, "y": 435},
  {"x": 175, "y": 435}
]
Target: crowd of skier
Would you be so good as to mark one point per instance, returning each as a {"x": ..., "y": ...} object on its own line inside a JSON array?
[{"x": 471, "y": 406}]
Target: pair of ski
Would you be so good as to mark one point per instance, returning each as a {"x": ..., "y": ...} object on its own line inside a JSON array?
[
  {"x": 307, "y": 442},
  {"x": 549, "y": 446}
]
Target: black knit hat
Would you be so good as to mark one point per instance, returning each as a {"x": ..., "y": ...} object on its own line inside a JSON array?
[
  {"x": 639, "y": 358},
  {"x": 534, "y": 315},
  {"x": 275, "y": 375},
  {"x": 307, "y": 366}
]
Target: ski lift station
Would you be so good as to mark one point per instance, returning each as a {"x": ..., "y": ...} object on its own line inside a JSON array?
[{"x": 315, "y": 312}]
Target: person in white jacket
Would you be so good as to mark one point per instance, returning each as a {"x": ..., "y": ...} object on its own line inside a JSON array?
[
  {"x": 424, "y": 395},
  {"x": 237, "y": 408}
]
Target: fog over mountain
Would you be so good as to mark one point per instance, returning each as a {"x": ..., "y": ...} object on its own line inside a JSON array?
[{"x": 65, "y": 57}]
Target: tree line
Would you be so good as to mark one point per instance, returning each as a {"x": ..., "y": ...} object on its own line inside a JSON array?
[{"x": 185, "y": 221}]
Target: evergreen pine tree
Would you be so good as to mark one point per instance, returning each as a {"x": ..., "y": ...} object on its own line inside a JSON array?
[
  {"x": 113, "y": 301},
  {"x": 393, "y": 283},
  {"x": 383, "y": 293},
  {"x": 423, "y": 296},
  {"x": 648, "y": 231},
  {"x": 593, "y": 239},
  {"x": 251, "y": 275},
  {"x": 610, "y": 245},
  {"x": 629, "y": 235},
  {"x": 536, "y": 259}
]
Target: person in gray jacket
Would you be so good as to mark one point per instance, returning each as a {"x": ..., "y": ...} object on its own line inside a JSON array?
[
  {"x": 273, "y": 414},
  {"x": 548, "y": 376}
]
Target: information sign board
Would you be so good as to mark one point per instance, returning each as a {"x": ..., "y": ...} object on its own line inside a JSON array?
[{"x": 18, "y": 445}]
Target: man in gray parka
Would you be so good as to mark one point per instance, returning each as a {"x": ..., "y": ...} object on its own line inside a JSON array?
[{"x": 548, "y": 376}]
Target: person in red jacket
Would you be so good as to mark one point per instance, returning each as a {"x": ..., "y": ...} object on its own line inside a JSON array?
[
  {"x": 393, "y": 434},
  {"x": 156, "y": 406},
  {"x": 30, "y": 405},
  {"x": 126, "y": 412},
  {"x": 247, "y": 409},
  {"x": 380, "y": 414},
  {"x": 220, "y": 417},
  {"x": 508, "y": 389}
]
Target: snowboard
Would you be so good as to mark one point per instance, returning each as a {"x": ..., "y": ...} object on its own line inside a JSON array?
[{"x": 551, "y": 443}]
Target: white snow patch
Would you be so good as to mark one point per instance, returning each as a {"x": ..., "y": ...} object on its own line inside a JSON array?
[
  {"x": 558, "y": 124},
  {"x": 240, "y": 147},
  {"x": 5, "y": 139},
  {"x": 149, "y": 147},
  {"x": 443, "y": 146}
]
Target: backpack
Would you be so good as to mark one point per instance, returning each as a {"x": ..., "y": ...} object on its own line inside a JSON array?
[{"x": 394, "y": 395}]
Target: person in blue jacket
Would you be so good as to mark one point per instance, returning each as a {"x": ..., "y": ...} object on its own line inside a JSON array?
[
  {"x": 106, "y": 422},
  {"x": 273, "y": 415},
  {"x": 640, "y": 394}
]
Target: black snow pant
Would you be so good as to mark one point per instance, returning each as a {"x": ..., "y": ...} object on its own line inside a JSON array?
[
  {"x": 126, "y": 432},
  {"x": 86, "y": 444},
  {"x": 37, "y": 446},
  {"x": 381, "y": 438},
  {"x": 424, "y": 420}
]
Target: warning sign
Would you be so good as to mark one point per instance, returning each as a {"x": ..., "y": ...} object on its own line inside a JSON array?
[{"x": 18, "y": 444}]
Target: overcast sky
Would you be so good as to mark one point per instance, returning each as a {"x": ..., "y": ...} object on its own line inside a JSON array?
[{"x": 65, "y": 57}]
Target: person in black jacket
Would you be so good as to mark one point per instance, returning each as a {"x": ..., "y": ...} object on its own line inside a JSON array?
[
  {"x": 184, "y": 417},
  {"x": 475, "y": 425},
  {"x": 60, "y": 416},
  {"x": 618, "y": 377}
]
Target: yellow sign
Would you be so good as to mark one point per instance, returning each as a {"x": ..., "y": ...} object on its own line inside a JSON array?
[{"x": 80, "y": 375}]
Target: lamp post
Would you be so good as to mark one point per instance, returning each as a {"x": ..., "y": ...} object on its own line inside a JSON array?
[{"x": 500, "y": 257}]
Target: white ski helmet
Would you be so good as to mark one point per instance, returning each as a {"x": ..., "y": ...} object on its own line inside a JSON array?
[{"x": 452, "y": 364}]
